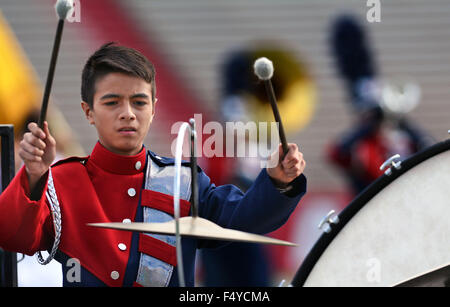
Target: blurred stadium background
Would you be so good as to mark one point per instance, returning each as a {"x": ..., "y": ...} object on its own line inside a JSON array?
[{"x": 188, "y": 42}]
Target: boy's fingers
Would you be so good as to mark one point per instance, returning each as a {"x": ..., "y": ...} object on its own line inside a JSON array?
[
  {"x": 295, "y": 169},
  {"x": 291, "y": 163},
  {"x": 292, "y": 151},
  {"x": 26, "y": 156},
  {"x": 50, "y": 138},
  {"x": 292, "y": 168},
  {"x": 36, "y": 131},
  {"x": 31, "y": 149},
  {"x": 33, "y": 140},
  {"x": 292, "y": 158},
  {"x": 46, "y": 130}
]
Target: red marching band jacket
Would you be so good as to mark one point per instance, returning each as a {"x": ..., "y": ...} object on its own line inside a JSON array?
[{"x": 102, "y": 188}]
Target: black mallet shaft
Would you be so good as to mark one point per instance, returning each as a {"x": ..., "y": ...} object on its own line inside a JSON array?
[
  {"x": 62, "y": 8},
  {"x": 263, "y": 68}
]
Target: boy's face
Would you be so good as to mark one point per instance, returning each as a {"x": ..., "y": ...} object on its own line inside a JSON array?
[{"x": 122, "y": 112}]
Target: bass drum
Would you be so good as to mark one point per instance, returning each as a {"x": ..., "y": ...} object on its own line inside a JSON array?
[{"x": 397, "y": 228}]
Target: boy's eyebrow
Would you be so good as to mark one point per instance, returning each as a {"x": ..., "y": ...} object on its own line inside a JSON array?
[
  {"x": 107, "y": 96},
  {"x": 138, "y": 95}
]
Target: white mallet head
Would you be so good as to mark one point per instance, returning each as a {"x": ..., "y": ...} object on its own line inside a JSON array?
[
  {"x": 263, "y": 68},
  {"x": 63, "y": 7}
]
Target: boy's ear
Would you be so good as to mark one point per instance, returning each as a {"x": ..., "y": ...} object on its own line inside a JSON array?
[
  {"x": 153, "y": 107},
  {"x": 87, "y": 112}
]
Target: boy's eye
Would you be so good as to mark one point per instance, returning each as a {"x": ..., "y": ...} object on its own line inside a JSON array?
[
  {"x": 140, "y": 103},
  {"x": 110, "y": 103}
]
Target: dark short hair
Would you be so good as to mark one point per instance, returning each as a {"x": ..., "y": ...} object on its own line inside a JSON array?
[{"x": 111, "y": 58}]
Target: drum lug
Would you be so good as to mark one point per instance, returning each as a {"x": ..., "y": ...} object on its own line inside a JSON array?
[
  {"x": 325, "y": 223},
  {"x": 391, "y": 161}
]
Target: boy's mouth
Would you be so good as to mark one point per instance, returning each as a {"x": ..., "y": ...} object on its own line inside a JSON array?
[{"x": 127, "y": 130}]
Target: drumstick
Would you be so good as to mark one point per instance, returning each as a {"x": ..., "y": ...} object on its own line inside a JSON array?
[
  {"x": 194, "y": 180},
  {"x": 263, "y": 68},
  {"x": 62, "y": 7}
]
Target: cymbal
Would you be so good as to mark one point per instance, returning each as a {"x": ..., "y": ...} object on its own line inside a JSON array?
[{"x": 194, "y": 227}]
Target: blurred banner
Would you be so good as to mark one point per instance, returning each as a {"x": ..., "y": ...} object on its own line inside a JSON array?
[
  {"x": 19, "y": 86},
  {"x": 21, "y": 94}
]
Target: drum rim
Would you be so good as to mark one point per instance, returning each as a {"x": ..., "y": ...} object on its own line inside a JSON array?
[{"x": 358, "y": 203}]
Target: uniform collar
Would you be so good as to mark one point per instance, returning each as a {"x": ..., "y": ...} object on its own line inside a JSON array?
[
  {"x": 118, "y": 164},
  {"x": 165, "y": 161}
]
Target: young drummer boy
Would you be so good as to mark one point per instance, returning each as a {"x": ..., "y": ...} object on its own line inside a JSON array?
[{"x": 122, "y": 181}]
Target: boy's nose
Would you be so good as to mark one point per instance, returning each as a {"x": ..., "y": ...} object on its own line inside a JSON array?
[{"x": 127, "y": 112}]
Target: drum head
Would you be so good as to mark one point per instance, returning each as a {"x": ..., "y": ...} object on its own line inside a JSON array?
[{"x": 395, "y": 229}]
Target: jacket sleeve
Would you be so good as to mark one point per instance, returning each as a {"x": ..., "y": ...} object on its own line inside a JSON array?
[
  {"x": 262, "y": 209},
  {"x": 24, "y": 223}
]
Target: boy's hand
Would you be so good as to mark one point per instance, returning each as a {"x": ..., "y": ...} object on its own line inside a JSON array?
[
  {"x": 37, "y": 150},
  {"x": 290, "y": 168}
]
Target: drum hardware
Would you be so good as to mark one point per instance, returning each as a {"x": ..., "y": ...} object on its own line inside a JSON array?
[
  {"x": 393, "y": 163},
  {"x": 325, "y": 223}
]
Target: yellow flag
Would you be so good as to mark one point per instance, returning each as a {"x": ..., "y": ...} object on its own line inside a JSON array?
[{"x": 20, "y": 90}]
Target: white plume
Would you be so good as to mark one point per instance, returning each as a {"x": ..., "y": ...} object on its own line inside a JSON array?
[{"x": 63, "y": 7}]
